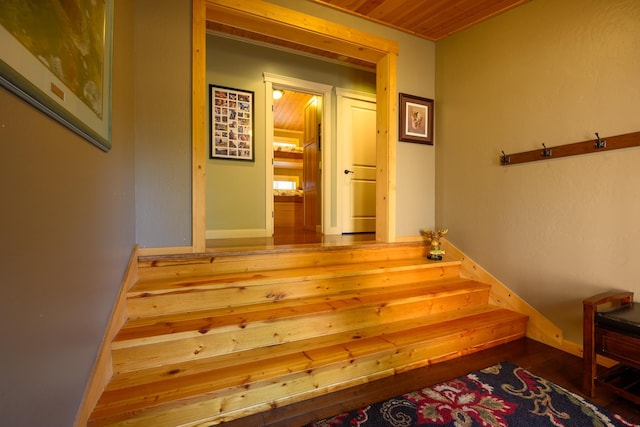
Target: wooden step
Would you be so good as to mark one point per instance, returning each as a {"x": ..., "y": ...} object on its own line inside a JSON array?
[
  {"x": 151, "y": 267},
  {"x": 196, "y": 323},
  {"x": 161, "y": 296},
  {"x": 172, "y": 339},
  {"x": 217, "y": 336},
  {"x": 232, "y": 385}
]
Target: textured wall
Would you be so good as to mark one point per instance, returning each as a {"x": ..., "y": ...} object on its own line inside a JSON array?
[
  {"x": 547, "y": 72},
  {"x": 163, "y": 122},
  {"x": 66, "y": 234}
]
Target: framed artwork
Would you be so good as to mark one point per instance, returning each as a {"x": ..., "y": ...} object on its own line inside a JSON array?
[
  {"x": 416, "y": 119},
  {"x": 57, "y": 57},
  {"x": 231, "y": 124}
]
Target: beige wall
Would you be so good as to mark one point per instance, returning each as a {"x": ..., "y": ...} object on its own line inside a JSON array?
[
  {"x": 67, "y": 229},
  {"x": 547, "y": 72}
]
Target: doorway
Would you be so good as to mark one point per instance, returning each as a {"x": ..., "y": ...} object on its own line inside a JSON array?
[
  {"x": 304, "y": 118},
  {"x": 297, "y": 188},
  {"x": 321, "y": 36}
]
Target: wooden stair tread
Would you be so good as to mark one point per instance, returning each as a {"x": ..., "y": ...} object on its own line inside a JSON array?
[
  {"x": 200, "y": 322},
  {"x": 163, "y": 285},
  {"x": 280, "y": 258},
  {"x": 245, "y": 370},
  {"x": 247, "y": 289}
]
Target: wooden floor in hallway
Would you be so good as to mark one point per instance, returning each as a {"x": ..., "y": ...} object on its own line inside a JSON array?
[{"x": 287, "y": 238}]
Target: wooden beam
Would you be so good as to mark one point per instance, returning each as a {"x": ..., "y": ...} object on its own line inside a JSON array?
[
  {"x": 198, "y": 137},
  {"x": 386, "y": 122},
  {"x": 275, "y": 21}
]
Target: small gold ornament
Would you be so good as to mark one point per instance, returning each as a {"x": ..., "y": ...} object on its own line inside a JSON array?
[{"x": 434, "y": 236}]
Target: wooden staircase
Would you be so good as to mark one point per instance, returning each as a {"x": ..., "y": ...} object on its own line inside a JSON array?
[{"x": 216, "y": 337}]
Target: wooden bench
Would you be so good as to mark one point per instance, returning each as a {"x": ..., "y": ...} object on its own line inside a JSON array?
[{"x": 612, "y": 329}]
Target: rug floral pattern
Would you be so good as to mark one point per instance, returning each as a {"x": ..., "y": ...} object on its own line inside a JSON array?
[{"x": 503, "y": 395}]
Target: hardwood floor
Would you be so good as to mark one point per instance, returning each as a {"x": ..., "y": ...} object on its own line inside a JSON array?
[
  {"x": 289, "y": 238},
  {"x": 562, "y": 368}
]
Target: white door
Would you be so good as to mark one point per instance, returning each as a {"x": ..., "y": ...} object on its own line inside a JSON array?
[{"x": 357, "y": 144}]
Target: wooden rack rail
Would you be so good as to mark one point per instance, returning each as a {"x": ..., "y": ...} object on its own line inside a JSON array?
[{"x": 584, "y": 147}]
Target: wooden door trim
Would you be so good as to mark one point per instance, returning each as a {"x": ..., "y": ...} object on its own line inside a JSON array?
[{"x": 279, "y": 22}]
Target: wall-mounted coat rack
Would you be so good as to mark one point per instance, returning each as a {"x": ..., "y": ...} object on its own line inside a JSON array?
[{"x": 585, "y": 147}]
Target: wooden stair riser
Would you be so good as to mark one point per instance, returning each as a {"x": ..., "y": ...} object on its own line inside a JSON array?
[
  {"x": 324, "y": 371},
  {"x": 233, "y": 338},
  {"x": 150, "y": 269},
  {"x": 265, "y": 288}
]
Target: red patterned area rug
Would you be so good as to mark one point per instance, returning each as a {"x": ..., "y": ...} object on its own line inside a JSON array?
[{"x": 501, "y": 395}]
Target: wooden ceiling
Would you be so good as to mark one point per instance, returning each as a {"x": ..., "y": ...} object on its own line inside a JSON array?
[
  {"x": 429, "y": 19},
  {"x": 288, "y": 110}
]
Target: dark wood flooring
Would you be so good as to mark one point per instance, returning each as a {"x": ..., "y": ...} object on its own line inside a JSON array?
[{"x": 562, "y": 368}]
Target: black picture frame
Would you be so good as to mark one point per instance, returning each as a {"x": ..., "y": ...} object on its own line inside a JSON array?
[
  {"x": 416, "y": 119},
  {"x": 231, "y": 127}
]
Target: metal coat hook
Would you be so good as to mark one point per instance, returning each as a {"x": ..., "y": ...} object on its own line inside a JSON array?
[
  {"x": 505, "y": 159},
  {"x": 546, "y": 152},
  {"x": 600, "y": 143}
]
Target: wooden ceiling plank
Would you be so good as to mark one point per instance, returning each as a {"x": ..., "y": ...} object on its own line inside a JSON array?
[
  {"x": 471, "y": 14},
  {"x": 429, "y": 19},
  {"x": 367, "y": 7},
  {"x": 381, "y": 16}
]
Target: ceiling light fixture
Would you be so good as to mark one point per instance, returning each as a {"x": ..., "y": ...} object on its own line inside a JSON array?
[{"x": 277, "y": 94}]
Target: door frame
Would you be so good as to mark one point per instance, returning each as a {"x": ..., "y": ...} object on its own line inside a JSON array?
[
  {"x": 341, "y": 94},
  {"x": 318, "y": 89},
  {"x": 282, "y": 23}
]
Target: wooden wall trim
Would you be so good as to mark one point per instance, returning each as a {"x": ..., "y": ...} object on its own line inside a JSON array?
[
  {"x": 198, "y": 126},
  {"x": 386, "y": 123},
  {"x": 276, "y": 21},
  {"x": 169, "y": 250},
  {"x": 539, "y": 327},
  {"x": 103, "y": 366}
]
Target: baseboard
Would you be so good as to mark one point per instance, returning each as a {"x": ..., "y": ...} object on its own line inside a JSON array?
[
  {"x": 238, "y": 233},
  {"x": 166, "y": 250},
  {"x": 103, "y": 365}
]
